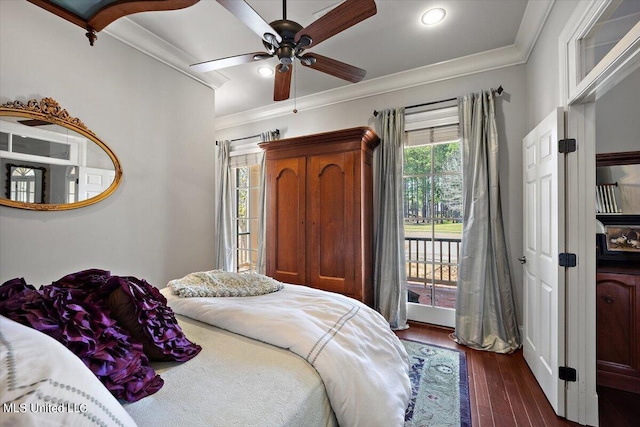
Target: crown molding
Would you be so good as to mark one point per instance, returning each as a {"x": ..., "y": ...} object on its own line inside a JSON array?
[
  {"x": 459, "y": 67},
  {"x": 143, "y": 40},
  {"x": 535, "y": 16}
]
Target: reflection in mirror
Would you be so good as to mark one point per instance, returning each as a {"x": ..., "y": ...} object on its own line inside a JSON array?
[
  {"x": 51, "y": 161},
  {"x": 618, "y": 183},
  {"x": 26, "y": 183},
  {"x": 623, "y": 182}
]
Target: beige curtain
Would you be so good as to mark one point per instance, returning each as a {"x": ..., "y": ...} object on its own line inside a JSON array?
[
  {"x": 261, "y": 267},
  {"x": 224, "y": 225},
  {"x": 485, "y": 309},
  {"x": 390, "y": 275}
]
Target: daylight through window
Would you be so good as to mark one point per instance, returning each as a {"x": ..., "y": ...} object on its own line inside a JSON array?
[
  {"x": 432, "y": 214},
  {"x": 247, "y": 197}
]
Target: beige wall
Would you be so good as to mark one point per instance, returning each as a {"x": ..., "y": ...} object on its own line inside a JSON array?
[
  {"x": 159, "y": 224},
  {"x": 543, "y": 69}
]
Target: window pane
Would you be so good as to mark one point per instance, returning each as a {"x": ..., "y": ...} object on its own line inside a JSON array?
[
  {"x": 417, "y": 160},
  {"x": 418, "y": 245},
  {"x": 38, "y": 147},
  {"x": 254, "y": 171},
  {"x": 243, "y": 205},
  {"x": 432, "y": 216},
  {"x": 448, "y": 196},
  {"x": 243, "y": 241},
  {"x": 254, "y": 202},
  {"x": 254, "y": 225},
  {"x": 4, "y": 141},
  {"x": 243, "y": 226},
  {"x": 254, "y": 260},
  {"x": 244, "y": 261},
  {"x": 248, "y": 216},
  {"x": 615, "y": 23},
  {"x": 417, "y": 199},
  {"x": 447, "y": 157},
  {"x": 242, "y": 180}
]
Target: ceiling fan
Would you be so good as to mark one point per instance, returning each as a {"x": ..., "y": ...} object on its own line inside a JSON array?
[{"x": 288, "y": 41}]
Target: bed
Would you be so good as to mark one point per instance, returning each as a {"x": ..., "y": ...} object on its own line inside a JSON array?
[
  {"x": 246, "y": 383},
  {"x": 293, "y": 357}
]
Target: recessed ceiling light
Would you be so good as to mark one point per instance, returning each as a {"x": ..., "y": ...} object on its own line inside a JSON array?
[
  {"x": 265, "y": 71},
  {"x": 433, "y": 16}
]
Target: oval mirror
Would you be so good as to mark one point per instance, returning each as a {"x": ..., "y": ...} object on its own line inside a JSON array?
[{"x": 50, "y": 160}]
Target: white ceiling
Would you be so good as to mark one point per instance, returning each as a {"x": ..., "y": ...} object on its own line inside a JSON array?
[{"x": 392, "y": 41}]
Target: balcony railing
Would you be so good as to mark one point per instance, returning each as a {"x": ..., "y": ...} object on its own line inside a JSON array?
[{"x": 432, "y": 269}]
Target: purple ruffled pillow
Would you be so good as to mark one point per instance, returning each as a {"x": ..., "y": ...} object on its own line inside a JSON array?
[
  {"x": 13, "y": 287},
  {"x": 69, "y": 316},
  {"x": 141, "y": 309}
]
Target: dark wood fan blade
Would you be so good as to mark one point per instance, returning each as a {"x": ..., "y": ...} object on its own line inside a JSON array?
[
  {"x": 229, "y": 61},
  {"x": 282, "y": 84},
  {"x": 335, "y": 68},
  {"x": 250, "y": 18},
  {"x": 339, "y": 19}
]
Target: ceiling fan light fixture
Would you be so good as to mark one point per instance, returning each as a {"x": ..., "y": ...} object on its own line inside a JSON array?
[
  {"x": 265, "y": 71},
  {"x": 307, "y": 60},
  {"x": 433, "y": 16},
  {"x": 271, "y": 39}
]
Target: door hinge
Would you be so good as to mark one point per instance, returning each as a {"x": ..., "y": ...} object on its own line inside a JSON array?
[
  {"x": 568, "y": 259},
  {"x": 567, "y": 374},
  {"x": 567, "y": 145}
]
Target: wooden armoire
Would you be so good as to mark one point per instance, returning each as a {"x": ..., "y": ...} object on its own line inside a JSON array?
[
  {"x": 618, "y": 327},
  {"x": 319, "y": 211}
]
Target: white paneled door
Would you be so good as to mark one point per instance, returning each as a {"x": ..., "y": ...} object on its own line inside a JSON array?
[
  {"x": 544, "y": 292},
  {"x": 93, "y": 181}
]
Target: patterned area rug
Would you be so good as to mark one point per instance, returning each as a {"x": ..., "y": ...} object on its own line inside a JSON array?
[{"x": 439, "y": 387}]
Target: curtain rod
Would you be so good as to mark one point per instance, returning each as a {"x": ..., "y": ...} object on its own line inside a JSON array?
[
  {"x": 277, "y": 131},
  {"x": 375, "y": 112}
]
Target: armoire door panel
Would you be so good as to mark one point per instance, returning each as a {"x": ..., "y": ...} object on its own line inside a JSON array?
[
  {"x": 617, "y": 328},
  {"x": 286, "y": 219},
  {"x": 615, "y": 313},
  {"x": 617, "y": 323},
  {"x": 332, "y": 221},
  {"x": 331, "y": 232}
]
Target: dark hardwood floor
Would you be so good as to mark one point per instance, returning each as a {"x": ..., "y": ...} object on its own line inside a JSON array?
[{"x": 503, "y": 391}]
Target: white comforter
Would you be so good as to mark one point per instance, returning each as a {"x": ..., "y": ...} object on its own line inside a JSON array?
[{"x": 362, "y": 363}]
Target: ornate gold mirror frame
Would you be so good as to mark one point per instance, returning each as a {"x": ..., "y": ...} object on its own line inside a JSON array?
[{"x": 48, "y": 110}]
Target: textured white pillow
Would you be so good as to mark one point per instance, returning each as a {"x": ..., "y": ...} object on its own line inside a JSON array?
[
  {"x": 219, "y": 283},
  {"x": 42, "y": 383}
]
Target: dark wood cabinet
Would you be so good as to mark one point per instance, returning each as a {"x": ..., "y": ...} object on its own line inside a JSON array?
[
  {"x": 618, "y": 328},
  {"x": 319, "y": 211}
]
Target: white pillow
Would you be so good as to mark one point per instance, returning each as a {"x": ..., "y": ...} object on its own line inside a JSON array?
[{"x": 42, "y": 383}]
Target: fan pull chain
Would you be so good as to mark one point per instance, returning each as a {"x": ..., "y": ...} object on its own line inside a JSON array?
[{"x": 295, "y": 87}]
